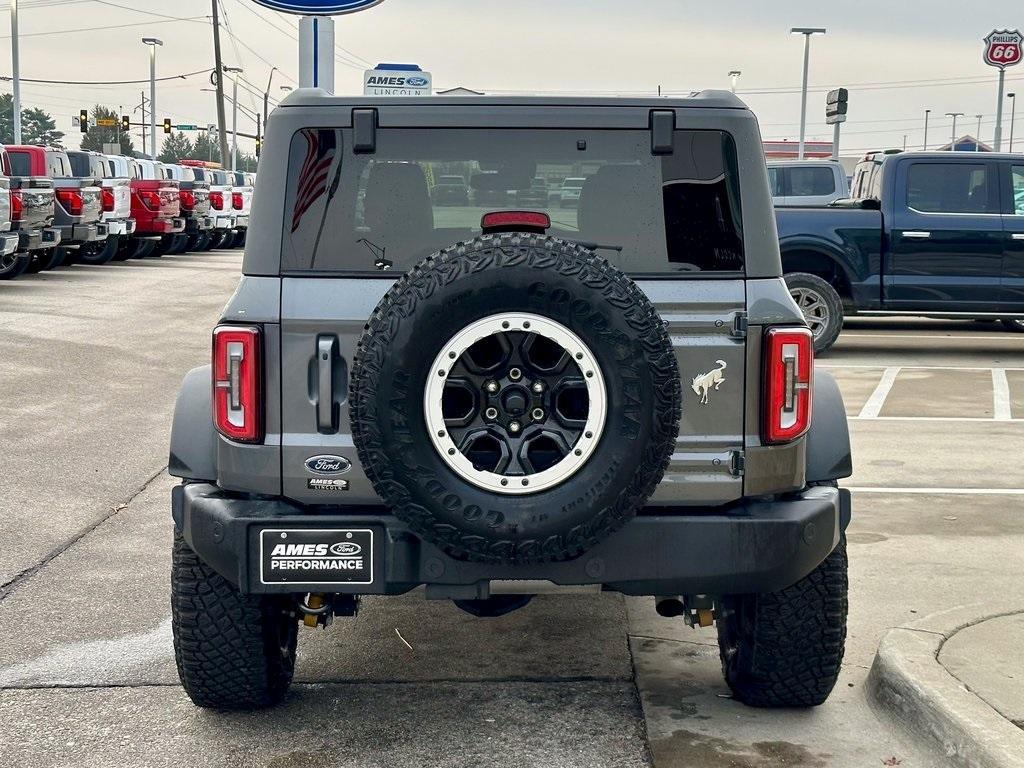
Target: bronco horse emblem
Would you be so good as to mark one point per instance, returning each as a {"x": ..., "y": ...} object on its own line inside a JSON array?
[{"x": 703, "y": 383}]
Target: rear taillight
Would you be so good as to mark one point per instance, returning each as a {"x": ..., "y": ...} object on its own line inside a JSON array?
[
  {"x": 236, "y": 200},
  {"x": 217, "y": 200},
  {"x": 150, "y": 199},
  {"x": 108, "y": 199},
  {"x": 188, "y": 200},
  {"x": 237, "y": 401},
  {"x": 788, "y": 372},
  {"x": 71, "y": 200},
  {"x": 17, "y": 206}
]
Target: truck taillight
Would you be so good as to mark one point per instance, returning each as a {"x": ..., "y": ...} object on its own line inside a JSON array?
[
  {"x": 17, "y": 206},
  {"x": 108, "y": 199},
  {"x": 217, "y": 200},
  {"x": 236, "y": 200},
  {"x": 237, "y": 391},
  {"x": 71, "y": 200},
  {"x": 150, "y": 199},
  {"x": 788, "y": 373},
  {"x": 188, "y": 200}
]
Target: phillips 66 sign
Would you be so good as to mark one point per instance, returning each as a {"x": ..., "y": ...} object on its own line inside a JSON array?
[
  {"x": 318, "y": 7},
  {"x": 1003, "y": 48}
]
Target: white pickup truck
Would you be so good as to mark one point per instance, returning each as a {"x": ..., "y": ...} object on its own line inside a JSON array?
[
  {"x": 241, "y": 202},
  {"x": 115, "y": 194}
]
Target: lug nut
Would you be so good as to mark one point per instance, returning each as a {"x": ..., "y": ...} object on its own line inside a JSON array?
[
  {"x": 491, "y": 413},
  {"x": 514, "y": 427},
  {"x": 515, "y": 374},
  {"x": 538, "y": 387},
  {"x": 538, "y": 414},
  {"x": 491, "y": 386}
]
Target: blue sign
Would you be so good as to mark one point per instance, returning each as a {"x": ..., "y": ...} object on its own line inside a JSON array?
[{"x": 318, "y": 7}]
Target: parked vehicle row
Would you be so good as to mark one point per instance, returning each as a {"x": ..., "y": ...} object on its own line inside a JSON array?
[{"x": 59, "y": 207}]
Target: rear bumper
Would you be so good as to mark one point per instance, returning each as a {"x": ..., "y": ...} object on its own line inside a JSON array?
[
  {"x": 196, "y": 224},
  {"x": 223, "y": 221},
  {"x": 37, "y": 239},
  {"x": 752, "y": 546},
  {"x": 159, "y": 226},
  {"x": 124, "y": 227},
  {"x": 242, "y": 222},
  {"x": 8, "y": 242},
  {"x": 76, "y": 234}
]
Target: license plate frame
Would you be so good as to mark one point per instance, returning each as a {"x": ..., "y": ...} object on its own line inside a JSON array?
[{"x": 318, "y": 549}]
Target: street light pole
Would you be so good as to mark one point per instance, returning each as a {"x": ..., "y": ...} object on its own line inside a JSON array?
[
  {"x": 16, "y": 71},
  {"x": 234, "y": 115},
  {"x": 1013, "y": 109},
  {"x": 734, "y": 75},
  {"x": 926, "y": 113},
  {"x": 954, "y": 115},
  {"x": 806, "y": 32},
  {"x": 266, "y": 95},
  {"x": 152, "y": 42},
  {"x": 977, "y": 137}
]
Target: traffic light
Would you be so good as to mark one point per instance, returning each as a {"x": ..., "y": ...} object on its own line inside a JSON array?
[
  {"x": 836, "y": 106},
  {"x": 259, "y": 143},
  {"x": 167, "y": 125},
  {"x": 126, "y": 123},
  {"x": 83, "y": 120}
]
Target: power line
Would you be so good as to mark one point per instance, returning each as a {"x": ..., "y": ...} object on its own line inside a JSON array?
[
  {"x": 200, "y": 19},
  {"x": 136, "y": 10},
  {"x": 108, "y": 82}
]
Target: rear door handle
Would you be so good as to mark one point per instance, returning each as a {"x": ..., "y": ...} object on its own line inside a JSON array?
[
  {"x": 325, "y": 383},
  {"x": 917, "y": 234}
]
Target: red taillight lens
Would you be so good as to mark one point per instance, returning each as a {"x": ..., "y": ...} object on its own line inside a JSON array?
[
  {"x": 217, "y": 200},
  {"x": 788, "y": 374},
  {"x": 150, "y": 199},
  {"x": 71, "y": 200},
  {"x": 501, "y": 220},
  {"x": 108, "y": 199},
  {"x": 188, "y": 200},
  {"x": 237, "y": 402},
  {"x": 17, "y": 206},
  {"x": 236, "y": 200}
]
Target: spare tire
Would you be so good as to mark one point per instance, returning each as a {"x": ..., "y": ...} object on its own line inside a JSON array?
[{"x": 515, "y": 399}]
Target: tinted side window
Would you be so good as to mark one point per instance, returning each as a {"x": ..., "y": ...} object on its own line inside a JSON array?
[
  {"x": 951, "y": 188},
  {"x": 20, "y": 163},
  {"x": 775, "y": 181},
  {"x": 1017, "y": 178},
  {"x": 811, "y": 182},
  {"x": 79, "y": 163}
]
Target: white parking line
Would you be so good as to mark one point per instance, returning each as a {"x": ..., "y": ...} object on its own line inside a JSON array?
[
  {"x": 874, "y": 404},
  {"x": 866, "y": 366},
  {"x": 940, "y": 491},
  {"x": 1000, "y": 395},
  {"x": 950, "y": 337},
  {"x": 932, "y": 418}
]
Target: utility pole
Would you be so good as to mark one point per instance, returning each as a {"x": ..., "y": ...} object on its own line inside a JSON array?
[
  {"x": 142, "y": 106},
  {"x": 16, "y": 71},
  {"x": 926, "y": 113},
  {"x": 152, "y": 42},
  {"x": 266, "y": 95},
  {"x": 219, "y": 66},
  {"x": 1013, "y": 113},
  {"x": 977, "y": 137}
]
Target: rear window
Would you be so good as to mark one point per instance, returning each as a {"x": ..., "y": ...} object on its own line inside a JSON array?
[
  {"x": 650, "y": 215},
  {"x": 811, "y": 182},
  {"x": 79, "y": 163},
  {"x": 952, "y": 188},
  {"x": 20, "y": 163}
]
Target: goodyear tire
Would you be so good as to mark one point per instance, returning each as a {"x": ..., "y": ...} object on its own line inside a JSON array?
[
  {"x": 233, "y": 651},
  {"x": 591, "y": 325}
]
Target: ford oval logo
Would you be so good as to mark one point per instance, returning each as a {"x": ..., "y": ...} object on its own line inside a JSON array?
[
  {"x": 328, "y": 465},
  {"x": 416, "y": 82},
  {"x": 345, "y": 548}
]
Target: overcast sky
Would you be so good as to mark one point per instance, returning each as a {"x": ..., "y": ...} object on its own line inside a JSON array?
[{"x": 873, "y": 46}]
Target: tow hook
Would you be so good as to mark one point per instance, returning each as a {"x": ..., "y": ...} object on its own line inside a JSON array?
[{"x": 319, "y": 610}]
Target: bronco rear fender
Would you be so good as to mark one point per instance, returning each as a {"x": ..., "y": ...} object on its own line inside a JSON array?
[
  {"x": 193, "y": 439},
  {"x": 828, "y": 441}
]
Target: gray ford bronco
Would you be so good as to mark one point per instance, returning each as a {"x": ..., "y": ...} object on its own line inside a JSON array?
[{"x": 491, "y": 401}]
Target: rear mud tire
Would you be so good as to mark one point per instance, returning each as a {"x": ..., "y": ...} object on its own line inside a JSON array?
[
  {"x": 824, "y": 315},
  {"x": 233, "y": 651},
  {"x": 785, "y": 648},
  {"x": 569, "y": 285},
  {"x": 13, "y": 265}
]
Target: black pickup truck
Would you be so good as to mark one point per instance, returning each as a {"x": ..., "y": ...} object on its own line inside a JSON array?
[{"x": 937, "y": 234}]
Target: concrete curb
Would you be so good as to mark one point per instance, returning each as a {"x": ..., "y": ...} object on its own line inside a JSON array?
[{"x": 909, "y": 683}]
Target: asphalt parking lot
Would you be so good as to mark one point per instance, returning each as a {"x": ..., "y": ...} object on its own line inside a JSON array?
[{"x": 90, "y": 361}]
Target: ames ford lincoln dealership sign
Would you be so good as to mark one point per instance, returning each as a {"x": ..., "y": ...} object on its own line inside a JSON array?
[{"x": 318, "y": 7}]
